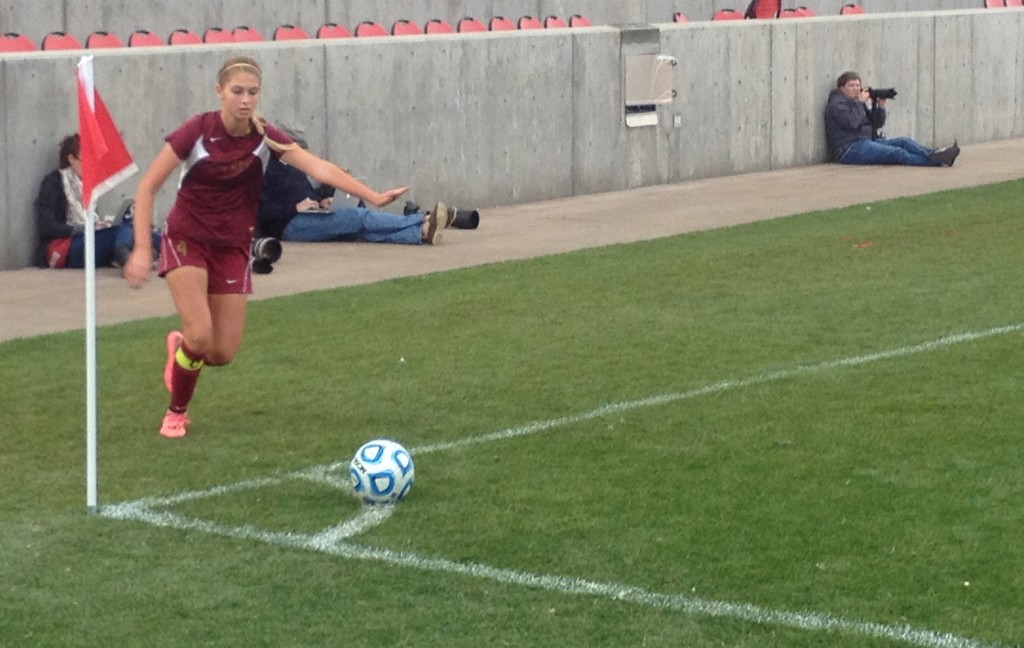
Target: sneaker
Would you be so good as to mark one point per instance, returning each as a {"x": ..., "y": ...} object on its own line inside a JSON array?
[
  {"x": 174, "y": 424},
  {"x": 436, "y": 220},
  {"x": 174, "y": 340}
]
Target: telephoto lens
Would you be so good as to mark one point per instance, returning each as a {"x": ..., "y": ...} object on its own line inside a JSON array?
[
  {"x": 465, "y": 218},
  {"x": 266, "y": 252},
  {"x": 882, "y": 93}
]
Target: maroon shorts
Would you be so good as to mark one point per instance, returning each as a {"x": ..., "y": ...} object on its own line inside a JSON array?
[{"x": 226, "y": 265}]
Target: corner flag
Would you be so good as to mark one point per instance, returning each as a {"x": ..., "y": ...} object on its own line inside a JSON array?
[{"x": 105, "y": 162}]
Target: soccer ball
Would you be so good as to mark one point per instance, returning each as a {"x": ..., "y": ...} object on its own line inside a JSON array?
[{"x": 382, "y": 472}]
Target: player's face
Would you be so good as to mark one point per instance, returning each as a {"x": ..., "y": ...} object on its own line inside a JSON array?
[{"x": 240, "y": 95}]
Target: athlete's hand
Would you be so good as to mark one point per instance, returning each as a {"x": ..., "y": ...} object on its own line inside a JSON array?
[
  {"x": 389, "y": 196},
  {"x": 136, "y": 269}
]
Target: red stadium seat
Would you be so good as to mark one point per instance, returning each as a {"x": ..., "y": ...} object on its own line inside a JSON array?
[
  {"x": 403, "y": 27},
  {"x": 501, "y": 23},
  {"x": 290, "y": 32},
  {"x": 370, "y": 28},
  {"x": 994, "y": 4},
  {"x": 789, "y": 13},
  {"x": 246, "y": 34},
  {"x": 806, "y": 12},
  {"x": 438, "y": 26},
  {"x": 851, "y": 10},
  {"x": 727, "y": 14},
  {"x": 679, "y": 16},
  {"x": 470, "y": 24},
  {"x": 579, "y": 21},
  {"x": 1015, "y": 3},
  {"x": 144, "y": 38},
  {"x": 184, "y": 37},
  {"x": 763, "y": 9},
  {"x": 554, "y": 22},
  {"x": 103, "y": 40},
  {"x": 529, "y": 22},
  {"x": 13, "y": 42},
  {"x": 333, "y": 30},
  {"x": 218, "y": 35},
  {"x": 58, "y": 40}
]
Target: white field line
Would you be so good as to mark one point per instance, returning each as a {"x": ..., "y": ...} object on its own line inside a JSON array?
[
  {"x": 716, "y": 388},
  {"x": 333, "y": 539}
]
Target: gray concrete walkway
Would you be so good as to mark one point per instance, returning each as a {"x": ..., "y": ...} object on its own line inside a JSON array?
[{"x": 35, "y": 302}]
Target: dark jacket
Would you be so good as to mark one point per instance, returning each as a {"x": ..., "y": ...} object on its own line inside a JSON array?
[
  {"x": 51, "y": 215},
  {"x": 284, "y": 187},
  {"x": 847, "y": 121}
]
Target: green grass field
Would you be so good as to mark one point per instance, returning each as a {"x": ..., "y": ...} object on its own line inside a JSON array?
[{"x": 800, "y": 432}]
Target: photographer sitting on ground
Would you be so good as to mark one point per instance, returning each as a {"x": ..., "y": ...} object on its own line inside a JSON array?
[
  {"x": 62, "y": 218},
  {"x": 850, "y": 131},
  {"x": 291, "y": 208}
]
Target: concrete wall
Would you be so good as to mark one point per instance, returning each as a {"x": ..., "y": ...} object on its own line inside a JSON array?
[
  {"x": 36, "y": 18},
  {"x": 502, "y": 118}
]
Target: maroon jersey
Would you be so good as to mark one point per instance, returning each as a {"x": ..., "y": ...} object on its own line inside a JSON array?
[{"x": 219, "y": 191}]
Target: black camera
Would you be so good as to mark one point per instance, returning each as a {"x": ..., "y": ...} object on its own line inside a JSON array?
[
  {"x": 265, "y": 253},
  {"x": 882, "y": 93}
]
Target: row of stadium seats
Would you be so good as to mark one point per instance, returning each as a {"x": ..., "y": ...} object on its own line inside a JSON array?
[
  {"x": 764, "y": 9},
  {"x": 760, "y": 9},
  {"x": 773, "y": 9},
  {"x": 13, "y": 42}
]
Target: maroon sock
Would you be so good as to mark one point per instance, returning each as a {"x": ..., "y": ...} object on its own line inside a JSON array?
[{"x": 185, "y": 378}]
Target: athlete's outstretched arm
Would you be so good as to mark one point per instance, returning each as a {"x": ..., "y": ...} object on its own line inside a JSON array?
[{"x": 331, "y": 174}]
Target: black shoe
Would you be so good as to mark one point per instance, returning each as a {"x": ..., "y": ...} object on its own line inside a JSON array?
[
  {"x": 954, "y": 152},
  {"x": 262, "y": 266},
  {"x": 946, "y": 156},
  {"x": 410, "y": 208},
  {"x": 121, "y": 254}
]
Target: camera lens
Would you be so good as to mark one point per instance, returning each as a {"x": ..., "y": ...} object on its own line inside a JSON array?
[{"x": 266, "y": 249}]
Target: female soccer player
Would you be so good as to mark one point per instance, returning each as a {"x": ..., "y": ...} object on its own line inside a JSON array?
[{"x": 208, "y": 233}]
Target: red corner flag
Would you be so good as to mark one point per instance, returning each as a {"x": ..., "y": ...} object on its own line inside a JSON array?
[{"x": 105, "y": 160}]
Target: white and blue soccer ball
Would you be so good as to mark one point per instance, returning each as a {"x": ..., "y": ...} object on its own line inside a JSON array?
[{"x": 382, "y": 472}]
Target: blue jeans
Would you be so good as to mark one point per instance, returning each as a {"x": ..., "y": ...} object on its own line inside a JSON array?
[
  {"x": 884, "y": 150},
  {"x": 355, "y": 224},
  {"x": 107, "y": 241}
]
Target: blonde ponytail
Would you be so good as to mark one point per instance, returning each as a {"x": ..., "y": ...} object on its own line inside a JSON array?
[{"x": 260, "y": 124}]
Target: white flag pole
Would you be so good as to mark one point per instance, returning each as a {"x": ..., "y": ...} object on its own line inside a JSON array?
[
  {"x": 85, "y": 76},
  {"x": 91, "y": 472}
]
